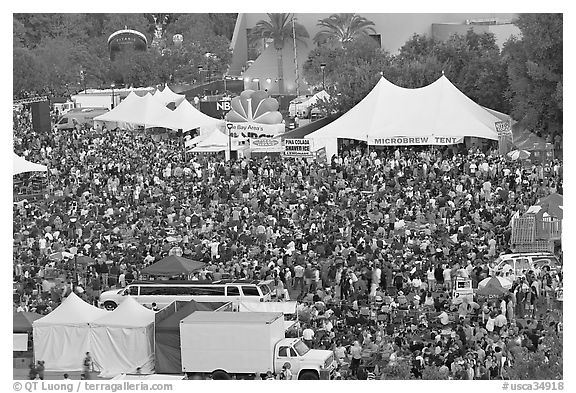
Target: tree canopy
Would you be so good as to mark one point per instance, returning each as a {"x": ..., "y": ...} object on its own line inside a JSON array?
[{"x": 50, "y": 50}]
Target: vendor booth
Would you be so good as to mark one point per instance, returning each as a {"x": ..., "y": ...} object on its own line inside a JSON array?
[
  {"x": 123, "y": 340},
  {"x": 390, "y": 115},
  {"x": 62, "y": 338}
]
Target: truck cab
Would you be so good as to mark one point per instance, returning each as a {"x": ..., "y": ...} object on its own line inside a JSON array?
[{"x": 305, "y": 363}]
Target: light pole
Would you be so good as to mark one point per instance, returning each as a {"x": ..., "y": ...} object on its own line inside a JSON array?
[
  {"x": 200, "y": 69},
  {"x": 229, "y": 126},
  {"x": 112, "y": 86},
  {"x": 322, "y": 66},
  {"x": 257, "y": 80},
  {"x": 83, "y": 79}
]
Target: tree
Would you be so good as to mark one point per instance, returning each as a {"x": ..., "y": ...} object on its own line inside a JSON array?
[
  {"x": 350, "y": 73},
  {"x": 535, "y": 71},
  {"x": 279, "y": 29},
  {"x": 343, "y": 29},
  {"x": 399, "y": 370},
  {"x": 546, "y": 363}
]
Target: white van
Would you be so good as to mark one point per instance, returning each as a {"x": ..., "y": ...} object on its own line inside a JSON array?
[
  {"x": 519, "y": 264},
  {"x": 164, "y": 292}
]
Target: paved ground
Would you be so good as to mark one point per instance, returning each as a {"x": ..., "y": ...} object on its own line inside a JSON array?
[{"x": 22, "y": 374}]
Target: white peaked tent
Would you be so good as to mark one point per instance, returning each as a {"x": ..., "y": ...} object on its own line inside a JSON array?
[
  {"x": 437, "y": 114},
  {"x": 187, "y": 117},
  {"x": 216, "y": 141},
  {"x": 62, "y": 338},
  {"x": 146, "y": 111},
  {"x": 167, "y": 96},
  {"x": 21, "y": 165},
  {"x": 123, "y": 340}
]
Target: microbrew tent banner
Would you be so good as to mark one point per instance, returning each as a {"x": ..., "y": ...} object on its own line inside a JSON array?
[
  {"x": 437, "y": 114},
  {"x": 123, "y": 340},
  {"x": 62, "y": 338}
]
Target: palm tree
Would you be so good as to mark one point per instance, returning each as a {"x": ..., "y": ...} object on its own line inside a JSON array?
[
  {"x": 343, "y": 28},
  {"x": 279, "y": 29}
]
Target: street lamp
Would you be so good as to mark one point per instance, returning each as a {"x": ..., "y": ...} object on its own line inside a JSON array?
[
  {"x": 112, "y": 86},
  {"x": 229, "y": 126},
  {"x": 200, "y": 69},
  {"x": 322, "y": 66},
  {"x": 83, "y": 79},
  {"x": 257, "y": 80}
]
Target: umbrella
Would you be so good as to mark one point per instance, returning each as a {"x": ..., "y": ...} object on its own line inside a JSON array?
[
  {"x": 172, "y": 266},
  {"x": 58, "y": 256},
  {"x": 492, "y": 288},
  {"x": 519, "y": 154},
  {"x": 554, "y": 205},
  {"x": 502, "y": 281},
  {"x": 84, "y": 260}
]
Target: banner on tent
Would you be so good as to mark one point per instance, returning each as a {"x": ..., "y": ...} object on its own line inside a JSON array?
[
  {"x": 267, "y": 145},
  {"x": 504, "y": 130},
  {"x": 418, "y": 140},
  {"x": 257, "y": 130},
  {"x": 298, "y": 148}
]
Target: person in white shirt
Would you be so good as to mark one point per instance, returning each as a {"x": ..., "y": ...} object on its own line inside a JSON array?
[{"x": 308, "y": 336}]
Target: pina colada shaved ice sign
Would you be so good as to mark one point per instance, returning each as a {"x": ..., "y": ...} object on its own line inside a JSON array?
[{"x": 254, "y": 114}]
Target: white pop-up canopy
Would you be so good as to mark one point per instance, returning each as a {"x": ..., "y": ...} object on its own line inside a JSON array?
[
  {"x": 217, "y": 141},
  {"x": 21, "y": 165},
  {"x": 390, "y": 115},
  {"x": 123, "y": 340},
  {"x": 62, "y": 338}
]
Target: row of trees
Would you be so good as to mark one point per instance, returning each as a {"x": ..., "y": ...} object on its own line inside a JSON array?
[
  {"x": 523, "y": 79},
  {"x": 50, "y": 50}
]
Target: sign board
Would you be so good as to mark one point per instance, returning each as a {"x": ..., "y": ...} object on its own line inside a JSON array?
[
  {"x": 256, "y": 130},
  {"x": 298, "y": 148},
  {"x": 321, "y": 155},
  {"x": 267, "y": 145},
  {"x": 215, "y": 109},
  {"x": 504, "y": 136},
  {"x": 413, "y": 141},
  {"x": 20, "y": 341}
]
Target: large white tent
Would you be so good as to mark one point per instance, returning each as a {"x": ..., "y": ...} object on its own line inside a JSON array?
[
  {"x": 123, "y": 340},
  {"x": 390, "y": 115},
  {"x": 187, "y": 117},
  {"x": 145, "y": 111},
  {"x": 21, "y": 165},
  {"x": 167, "y": 96},
  {"x": 62, "y": 338}
]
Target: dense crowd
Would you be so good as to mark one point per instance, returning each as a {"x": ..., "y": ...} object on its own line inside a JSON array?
[{"x": 370, "y": 243}]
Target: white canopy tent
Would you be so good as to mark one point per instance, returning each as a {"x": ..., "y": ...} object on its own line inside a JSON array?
[
  {"x": 62, "y": 338},
  {"x": 123, "y": 340},
  {"x": 437, "y": 114},
  {"x": 146, "y": 111},
  {"x": 166, "y": 96},
  {"x": 187, "y": 117},
  {"x": 217, "y": 141},
  {"x": 21, "y": 165}
]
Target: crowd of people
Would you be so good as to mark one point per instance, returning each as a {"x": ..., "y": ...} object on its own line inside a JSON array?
[{"x": 369, "y": 243}]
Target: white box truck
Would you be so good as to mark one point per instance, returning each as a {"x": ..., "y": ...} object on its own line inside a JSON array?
[{"x": 244, "y": 343}]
